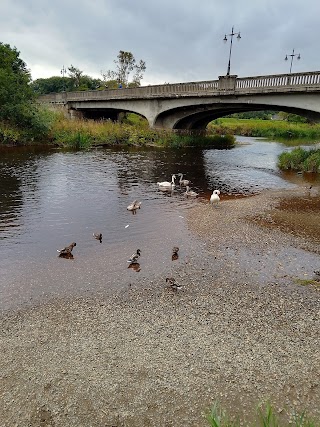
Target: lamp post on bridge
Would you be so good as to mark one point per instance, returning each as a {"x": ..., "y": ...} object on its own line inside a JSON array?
[
  {"x": 63, "y": 71},
  {"x": 225, "y": 40},
  {"x": 292, "y": 56}
]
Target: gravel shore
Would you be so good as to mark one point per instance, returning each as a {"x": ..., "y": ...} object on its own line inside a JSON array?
[{"x": 242, "y": 330}]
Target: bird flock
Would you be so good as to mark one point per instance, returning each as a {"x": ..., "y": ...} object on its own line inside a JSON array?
[{"x": 133, "y": 261}]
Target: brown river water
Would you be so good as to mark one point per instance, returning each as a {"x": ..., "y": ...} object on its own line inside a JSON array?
[{"x": 50, "y": 198}]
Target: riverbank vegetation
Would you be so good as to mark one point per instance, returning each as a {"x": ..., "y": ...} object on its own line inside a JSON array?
[
  {"x": 300, "y": 159},
  {"x": 265, "y": 417},
  {"x": 273, "y": 129},
  {"x": 131, "y": 131}
]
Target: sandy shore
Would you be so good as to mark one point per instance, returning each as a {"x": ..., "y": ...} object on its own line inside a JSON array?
[{"x": 242, "y": 330}]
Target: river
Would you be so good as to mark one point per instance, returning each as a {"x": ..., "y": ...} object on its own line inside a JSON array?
[{"x": 50, "y": 198}]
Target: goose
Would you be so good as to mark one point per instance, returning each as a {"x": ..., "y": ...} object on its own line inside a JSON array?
[
  {"x": 190, "y": 192},
  {"x": 134, "y": 206},
  {"x": 65, "y": 252},
  {"x": 183, "y": 181},
  {"x": 134, "y": 257},
  {"x": 98, "y": 236},
  {"x": 167, "y": 184},
  {"x": 173, "y": 285},
  {"x": 215, "y": 199}
]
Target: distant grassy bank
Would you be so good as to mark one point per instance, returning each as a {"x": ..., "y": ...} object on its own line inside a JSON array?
[{"x": 274, "y": 129}]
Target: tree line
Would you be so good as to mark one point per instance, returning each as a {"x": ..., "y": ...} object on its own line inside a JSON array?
[{"x": 128, "y": 73}]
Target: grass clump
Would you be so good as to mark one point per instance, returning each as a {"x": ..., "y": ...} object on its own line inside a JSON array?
[
  {"x": 300, "y": 159},
  {"x": 265, "y": 417}
]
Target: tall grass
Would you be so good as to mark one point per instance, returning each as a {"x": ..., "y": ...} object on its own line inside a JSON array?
[
  {"x": 87, "y": 133},
  {"x": 265, "y": 128},
  {"x": 265, "y": 417}
]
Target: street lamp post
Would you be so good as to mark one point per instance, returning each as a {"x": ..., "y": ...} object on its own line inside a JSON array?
[
  {"x": 63, "y": 71},
  {"x": 225, "y": 40},
  {"x": 292, "y": 56}
]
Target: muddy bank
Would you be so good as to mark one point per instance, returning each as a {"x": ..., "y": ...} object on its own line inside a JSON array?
[{"x": 241, "y": 330}]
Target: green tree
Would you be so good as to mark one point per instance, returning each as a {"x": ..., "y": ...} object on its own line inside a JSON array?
[
  {"x": 16, "y": 94},
  {"x": 125, "y": 65},
  {"x": 50, "y": 85}
]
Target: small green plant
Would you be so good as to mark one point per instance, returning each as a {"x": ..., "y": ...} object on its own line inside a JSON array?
[{"x": 266, "y": 417}]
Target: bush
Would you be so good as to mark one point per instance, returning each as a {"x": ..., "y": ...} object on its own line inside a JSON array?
[{"x": 300, "y": 159}]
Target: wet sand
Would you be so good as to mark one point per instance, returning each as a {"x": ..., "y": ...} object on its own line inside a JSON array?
[{"x": 242, "y": 330}]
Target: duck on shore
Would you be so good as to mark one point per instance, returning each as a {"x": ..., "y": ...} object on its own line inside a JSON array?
[
  {"x": 98, "y": 236},
  {"x": 134, "y": 257},
  {"x": 173, "y": 285},
  {"x": 67, "y": 251}
]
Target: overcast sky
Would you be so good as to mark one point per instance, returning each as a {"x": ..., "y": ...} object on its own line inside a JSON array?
[{"x": 180, "y": 40}]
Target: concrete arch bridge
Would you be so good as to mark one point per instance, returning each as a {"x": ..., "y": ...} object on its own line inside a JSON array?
[{"x": 193, "y": 105}]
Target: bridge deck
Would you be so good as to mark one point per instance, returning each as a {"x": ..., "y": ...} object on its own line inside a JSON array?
[{"x": 226, "y": 85}]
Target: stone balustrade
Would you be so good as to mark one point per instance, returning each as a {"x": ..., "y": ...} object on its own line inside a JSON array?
[{"x": 226, "y": 85}]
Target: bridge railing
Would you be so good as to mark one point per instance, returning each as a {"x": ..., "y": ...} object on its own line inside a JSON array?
[
  {"x": 226, "y": 85},
  {"x": 279, "y": 81}
]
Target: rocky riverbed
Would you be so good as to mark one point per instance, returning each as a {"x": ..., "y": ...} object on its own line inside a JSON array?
[{"x": 243, "y": 329}]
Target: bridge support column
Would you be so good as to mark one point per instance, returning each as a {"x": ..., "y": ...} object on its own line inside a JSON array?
[{"x": 75, "y": 114}]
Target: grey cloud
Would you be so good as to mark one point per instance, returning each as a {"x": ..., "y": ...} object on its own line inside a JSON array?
[{"x": 180, "y": 40}]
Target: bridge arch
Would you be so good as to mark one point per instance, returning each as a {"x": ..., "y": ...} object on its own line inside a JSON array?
[{"x": 197, "y": 120}]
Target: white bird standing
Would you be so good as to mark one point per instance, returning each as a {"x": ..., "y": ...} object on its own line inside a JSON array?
[
  {"x": 183, "y": 181},
  {"x": 167, "y": 184},
  {"x": 215, "y": 199}
]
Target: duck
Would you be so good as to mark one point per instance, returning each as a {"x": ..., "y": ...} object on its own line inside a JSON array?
[
  {"x": 183, "y": 181},
  {"x": 67, "y": 251},
  {"x": 134, "y": 206},
  {"x": 98, "y": 236},
  {"x": 135, "y": 266},
  {"x": 134, "y": 257},
  {"x": 190, "y": 192},
  {"x": 167, "y": 184},
  {"x": 173, "y": 285},
  {"x": 215, "y": 199},
  {"x": 175, "y": 251}
]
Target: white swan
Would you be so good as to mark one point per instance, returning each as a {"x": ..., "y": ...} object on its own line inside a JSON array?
[
  {"x": 190, "y": 192},
  {"x": 215, "y": 199},
  {"x": 168, "y": 184},
  {"x": 183, "y": 181}
]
